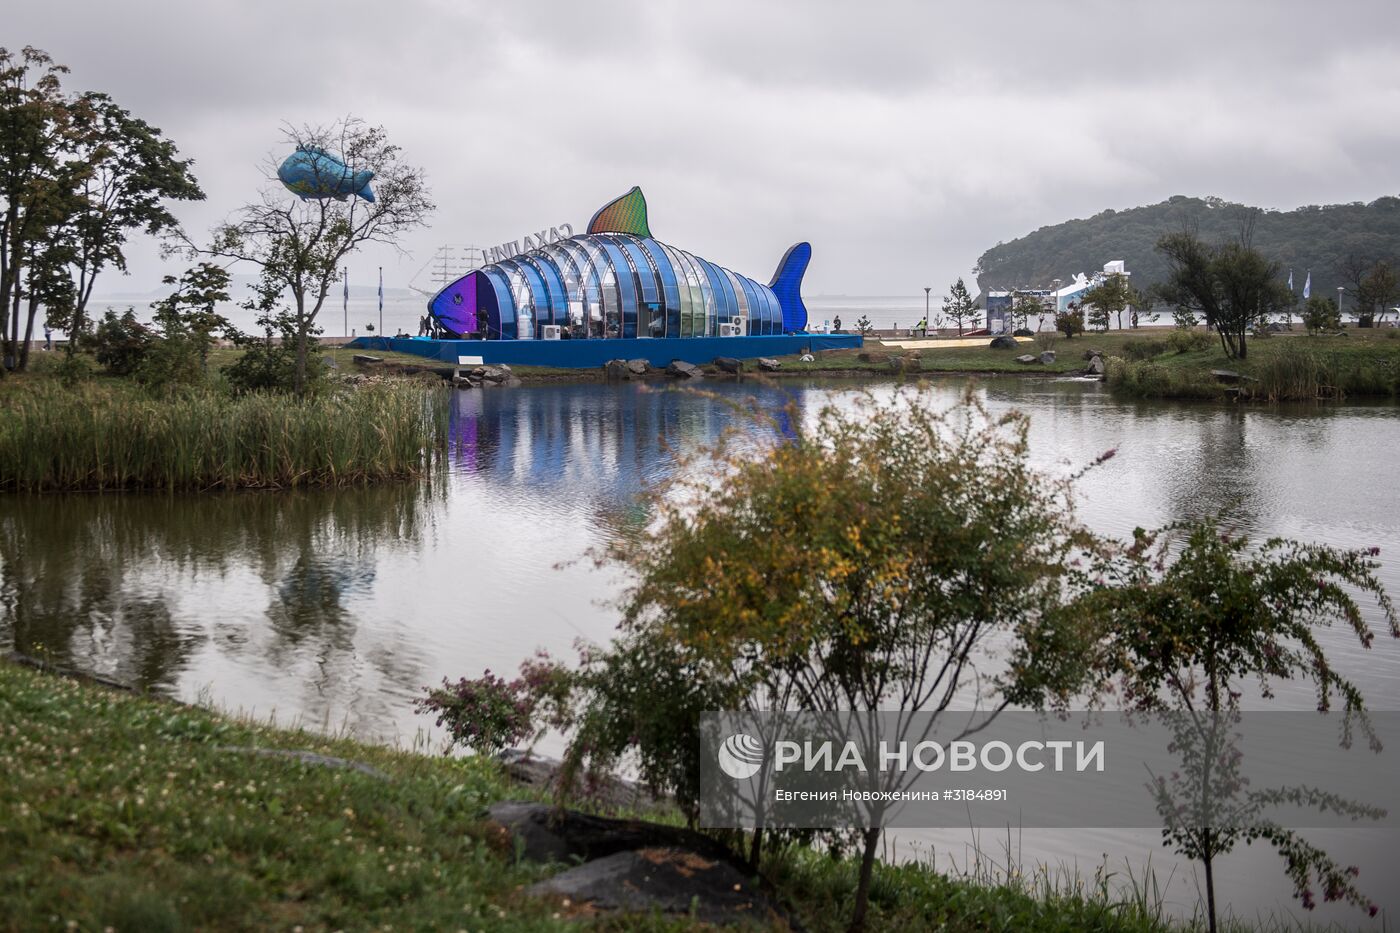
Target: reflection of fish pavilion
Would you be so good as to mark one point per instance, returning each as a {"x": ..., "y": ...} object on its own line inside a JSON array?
[
  {"x": 616, "y": 292},
  {"x": 580, "y": 438}
]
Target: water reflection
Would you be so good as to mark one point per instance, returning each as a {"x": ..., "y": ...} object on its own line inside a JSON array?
[
  {"x": 122, "y": 585},
  {"x": 336, "y": 607}
]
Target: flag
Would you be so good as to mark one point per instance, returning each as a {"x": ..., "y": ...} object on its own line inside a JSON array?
[
  {"x": 1290, "y": 280},
  {"x": 1307, "y": 286},
  {"x": 381, "y": 291}
]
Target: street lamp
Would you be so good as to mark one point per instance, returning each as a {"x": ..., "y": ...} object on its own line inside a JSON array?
[
  {"x": 1339, "y": 303},
  {"x": 1055, "y": 297},
  {"x": 927, "y": 289}
]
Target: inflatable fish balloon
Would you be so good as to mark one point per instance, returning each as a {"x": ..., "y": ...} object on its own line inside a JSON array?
[{"x": 314, "y": 173}]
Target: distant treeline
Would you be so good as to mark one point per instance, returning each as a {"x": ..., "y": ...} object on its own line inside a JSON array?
[{"x": 1330, "y": 240}]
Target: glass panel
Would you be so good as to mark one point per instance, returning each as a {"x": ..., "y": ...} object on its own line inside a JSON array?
[
  {"x": 555, "y": 309},
  {"x": 591, "y": 266},
  {"x": 644, "y": 267},
  {"x": 626, "y": 281},
  {"x": 704, "y": 313},
  {"x": 500, "y": 322},
  {"x": 670, "y": 290},
  {"x": 778, "y": 326},
  {"x": 573, "y": 286},
  {"x": 526, "y": 287},
  {"x": 739, "y": 294},
  {"x": 725, "y": 305},
  {"x": 687, "y": 291}
]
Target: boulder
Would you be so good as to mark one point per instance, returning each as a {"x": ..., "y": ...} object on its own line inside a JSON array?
[
  {"x": 806, "y": 358},
  {"x": 366, "y": 360},
  {"x": 768, "y": 365},
  {"x": 670, "y": 882},
  {"x": 464, "y": 382},
  {"x": 1003, "y": 342},
  {"x": 680, "y": 369},
  {"x": 543, "y": 833},
  {"x": 1095, "y": 367},
  {"x": 638, "y": 367},
  {"x": 1047, "y": 357},
  {"x": 495, "y": 374},
  {"x": 1023, "y": 332},
  {"x": 1026, "y": 359},
  {"x": 1230, "y": 376},
  {"x": 729, "y": 364},
  {"x": 1090, "y": 354},
  {"x": 616, "y": 369}
]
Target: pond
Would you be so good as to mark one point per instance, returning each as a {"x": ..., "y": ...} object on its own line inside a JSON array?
[{"x": 334, "y": 608}]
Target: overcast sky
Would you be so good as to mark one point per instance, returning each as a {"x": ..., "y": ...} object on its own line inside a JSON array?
[{"x": 901, "y": 138}]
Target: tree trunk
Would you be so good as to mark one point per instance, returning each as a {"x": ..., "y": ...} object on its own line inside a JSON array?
[
  {"x": 299, "y": 381},
  {"x": 1210, "y": 882},
  {"x": 28, "y": 332},
  {"x": 756, "y": 848},
  {"x": 867, "y": 867}
]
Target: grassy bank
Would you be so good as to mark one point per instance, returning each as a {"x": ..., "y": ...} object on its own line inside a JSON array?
[
  {"x": 111, "y": 434},
  {"x": 130, "y": 813},
  {"x": 1363, "y": 364}
]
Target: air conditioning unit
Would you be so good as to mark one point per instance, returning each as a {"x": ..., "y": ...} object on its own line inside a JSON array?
[
  {"x": 731, "y": 330},
  {"x": 741, "y": 323},
  {"x": 550, "y": 331}
]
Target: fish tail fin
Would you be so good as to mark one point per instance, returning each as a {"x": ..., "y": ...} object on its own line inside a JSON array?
[
  {"x": 367, "y": 193},
  {"x": 787, "y": 285}
]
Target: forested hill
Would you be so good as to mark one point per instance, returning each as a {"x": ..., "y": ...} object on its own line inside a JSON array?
[{"x": 1313, "y": 237}]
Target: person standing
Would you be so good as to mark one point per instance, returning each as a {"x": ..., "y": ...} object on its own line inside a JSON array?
[
  {"x": 836, "y": 325},
  {"x": 48, "y": 337}
]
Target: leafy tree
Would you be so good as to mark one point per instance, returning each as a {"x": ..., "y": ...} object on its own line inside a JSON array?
[
  {"x": 1023, "y": 308},
  {"x": 270, "y": 362},
  {"x": 121, "y": 342},
  {"x": 299, "y": 247},
  {"x": 1070, "y": 321},
  {"x": 35, "y": 130},
  {"x": 1232, "y": 286},
  {"x": 187, "y": 323},
  {"x": 863, "y": 325},
  {"x": 1379, "y": 290},
  {"x": 1320, "y": 313},
  {"x": 1108, "y": 299},
  {"x": 943, "y": 540},
  {"x": 77, "y": 174},
  {"x": 959, "y": 306},
  {"x": 130, "y": 172},
  {"x": 1192, "y": 614}
]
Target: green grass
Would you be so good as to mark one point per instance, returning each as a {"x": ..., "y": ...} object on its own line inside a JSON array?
[
  {"x": 120, "y": 811},
  {"x": 133, "y": 813},
  {"x": 1363, "y": 364},
  {"x": 934, "y": 360},
  {"x": 109, "y": 434}
]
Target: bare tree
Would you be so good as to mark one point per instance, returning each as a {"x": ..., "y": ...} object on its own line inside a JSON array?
[{"x": 299, "y": 245}]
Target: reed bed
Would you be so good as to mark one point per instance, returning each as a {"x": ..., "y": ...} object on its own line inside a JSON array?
[{"x": 106, "y": 436}]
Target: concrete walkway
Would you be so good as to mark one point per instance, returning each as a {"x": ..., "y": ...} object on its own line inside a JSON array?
[{"x": 944, "y": 343}]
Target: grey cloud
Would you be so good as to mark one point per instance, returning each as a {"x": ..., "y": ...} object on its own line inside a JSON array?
[{"x": 901, "y": 137}]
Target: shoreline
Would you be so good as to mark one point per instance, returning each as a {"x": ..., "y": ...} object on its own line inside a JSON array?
[{"x": 201, "y": 818}]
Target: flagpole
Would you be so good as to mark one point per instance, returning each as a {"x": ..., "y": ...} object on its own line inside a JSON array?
[{"x": 345, "y": 299}]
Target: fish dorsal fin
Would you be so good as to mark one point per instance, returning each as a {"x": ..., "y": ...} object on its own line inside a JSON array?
[{"x": 627, "y": 214}]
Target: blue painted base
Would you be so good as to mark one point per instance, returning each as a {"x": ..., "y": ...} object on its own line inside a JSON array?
[{"x": 589, "y": 354}]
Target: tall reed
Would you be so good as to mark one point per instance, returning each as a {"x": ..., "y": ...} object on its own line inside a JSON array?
[{"x": 102, "y": 436}]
